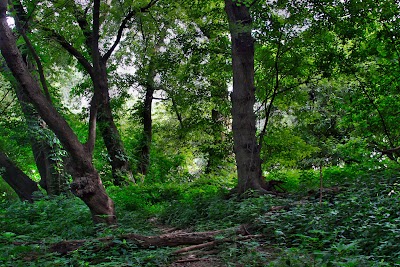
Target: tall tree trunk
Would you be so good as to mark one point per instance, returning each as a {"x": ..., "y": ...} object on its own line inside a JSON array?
[
  {"x": 147, "y": 119},
  {"x": 17, "y": 179},
  {"x": 87, "y": 184},
  {"x": 121, "y": 169},
  {"x": 247, "y": 154},
  {"x": 52, "y": 179},
  {"x": 97, "y": 69}
]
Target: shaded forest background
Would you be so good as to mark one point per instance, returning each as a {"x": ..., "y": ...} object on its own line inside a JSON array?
[{"x": 282, "y": 116}]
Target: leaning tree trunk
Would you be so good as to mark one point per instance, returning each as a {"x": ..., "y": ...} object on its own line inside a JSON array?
[
  {"x": 17, "y": 179},
  {"x": 50, "y": 167},
  {"x": 52, "y": 179},
  {"x": 87, "y": 184},
  {"x": 243, "y": 98}
]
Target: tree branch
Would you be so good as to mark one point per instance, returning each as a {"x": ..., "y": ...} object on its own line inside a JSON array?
[
  {"x": 70, "y": 49},
  {"x": 372, "y": 102},
  {"x": 275, "y": 93},
  {"x": 96, "y": 36},
  {"x": 22, "y": 17},
  {"x": 123, "y": 25},
  {"x": 38, "y": 65},
  {"x": 178, "y": 115},
  {"x": 92, "y": 125},
  {"x": 391, "y": 153},
  {"x": 30, "y": 86},
  {"x": 80, "y": 16},
  {"x": 3, "y": 112}
]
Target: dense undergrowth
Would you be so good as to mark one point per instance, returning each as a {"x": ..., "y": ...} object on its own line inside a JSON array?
[{"x": 359, "y": 225}]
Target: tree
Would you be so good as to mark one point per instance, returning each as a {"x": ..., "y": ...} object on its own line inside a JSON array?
[
  {"x": 87, "y": 184},
  {"x": 96, "y": 65},
  {"x": 45, "y": 146},
  {"x": 17, "y": 179},
  {"x": 246, "y": 148},
  {"x": 367, "y": 31}
]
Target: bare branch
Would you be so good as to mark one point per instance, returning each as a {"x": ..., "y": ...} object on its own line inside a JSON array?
[
  {"x": 275, "y": 93},
  {"x": 3, "y": 112}
]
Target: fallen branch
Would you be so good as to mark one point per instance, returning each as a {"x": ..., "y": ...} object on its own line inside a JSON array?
[
  {"x": 215, "y": 243},
  {"x": 165, "y": 240}
]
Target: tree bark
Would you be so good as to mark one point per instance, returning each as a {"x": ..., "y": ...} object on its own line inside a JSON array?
[
  {"x": 17, "y": 179},
  {"x": 121, "y": 169},
  {"x": 147, "y": 120},
  {"x": 87, "y": 184},
  {"x": 53, "y": 177},
  {"x": 51, "y": 180},
  {"x": 247, "y": 154}
]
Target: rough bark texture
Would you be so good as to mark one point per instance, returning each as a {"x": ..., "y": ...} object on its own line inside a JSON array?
[
  {"x": 87, "y": 184},
  {"x": 17, "y": 179},
  {"x": 243, "y": 98}
]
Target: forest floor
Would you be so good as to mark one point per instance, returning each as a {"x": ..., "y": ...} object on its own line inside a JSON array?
[{"x": 356, "y": 223}]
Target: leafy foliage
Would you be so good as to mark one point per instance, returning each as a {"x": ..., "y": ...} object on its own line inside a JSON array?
[{"x": 326, "y": 76}]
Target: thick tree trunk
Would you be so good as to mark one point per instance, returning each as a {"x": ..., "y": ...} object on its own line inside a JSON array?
[
  {"x": 51, "y": 178},
  {"x": 17, "y": 179},
  {"x": 243, "y": 98},
  {"x": 87, "y": 184},
  {"x": 121, "y": 170}
]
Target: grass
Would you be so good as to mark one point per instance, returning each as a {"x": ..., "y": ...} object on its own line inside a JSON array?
[{"x": 359, "y": 226}]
